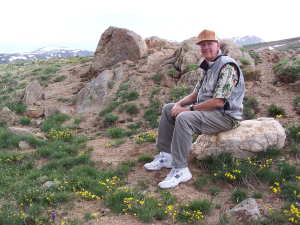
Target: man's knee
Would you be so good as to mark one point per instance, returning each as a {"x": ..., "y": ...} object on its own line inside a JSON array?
[
  {"x": 183, "y": 117},
  {"x": 167, "y": 108}
]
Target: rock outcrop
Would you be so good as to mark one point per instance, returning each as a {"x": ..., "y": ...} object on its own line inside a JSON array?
[
  {"x": 33, "y": 93},
  {"x": 94, "y": 94},
  {"x": 8, "y": 116},
  {"x": 250, "y": 137},
  {"x": 116, "y": 45}
]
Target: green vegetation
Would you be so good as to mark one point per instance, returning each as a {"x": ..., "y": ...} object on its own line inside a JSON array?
[
  {"x": 287, "y": 70},
  {"x": 54, "y": 121},
  {"x": 250, "y": 107},
  {"x": 148, "y": 136},
  {"x": 255, "y": 56},
  {"x": 152, "y": 112},
  {"x": 192, "y": 67},
  {"x": 238, "y": 195},
  {"x": 59, "y": 78},
  {"x": 172, "y": 72},
  {"x": 129, "y": 108},
  {"x": 109, "y": 108},
  {"x": 110, "y": 119},
  {"x": 200, "y": 182},
  {"x": 178, "y": 93},
  {"x": 244, "y": 61},
  {"x": 25, "y": 121},
  {"x": 157, "y": 78},
  {"x": 16, "y": 106},
  {"x": 275, "y": 111}
]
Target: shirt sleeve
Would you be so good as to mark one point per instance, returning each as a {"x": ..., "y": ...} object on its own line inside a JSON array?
[{"x": 227, "y": 79}]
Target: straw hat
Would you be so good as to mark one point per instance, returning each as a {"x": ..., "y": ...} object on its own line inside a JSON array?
[{"x": 207, "y": 35}]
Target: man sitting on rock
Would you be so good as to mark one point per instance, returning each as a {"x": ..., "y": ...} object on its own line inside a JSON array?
[{"x": 215, "y": 105}]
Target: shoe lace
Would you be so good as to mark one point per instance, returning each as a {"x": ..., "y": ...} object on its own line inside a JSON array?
[{"x": 172, "y": 173}]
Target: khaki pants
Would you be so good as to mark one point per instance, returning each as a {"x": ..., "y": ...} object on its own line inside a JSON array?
[{"x": 175, "y": 135}]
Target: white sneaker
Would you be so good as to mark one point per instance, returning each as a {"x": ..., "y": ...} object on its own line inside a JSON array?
[
  {"x": 175, "y": 177},
  {"x": 162, "y": 160}
]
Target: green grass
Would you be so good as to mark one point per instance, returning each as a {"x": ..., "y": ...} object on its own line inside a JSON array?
[
  {"x": 244, "y": 61},
  {"x": 288, "y": 70},
  {"x": 129, "y": 108},
  {"x": 16, "y": 106},
  {"x": 152, "y": 113},
  {"x": 157, "y": 78},
  {"x": 275, "y": 111},
  {"x": 178, "y": 93},
  {"x": 109, "y": 108},
  {"x": 250, "y": 107},
  {"x": 192, "y": 67},
  {"x": 54, "y": 121},
  {"x": 200, "y": 182},
  {"x": 110, "y": 119},
  {"x": 25, "y": 121},
  {"x": 116, "y": 132},
  {"x": 238, "y": 195}
]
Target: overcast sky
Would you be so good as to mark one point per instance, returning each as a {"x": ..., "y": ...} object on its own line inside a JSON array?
[{"x": 30, "y": 24}]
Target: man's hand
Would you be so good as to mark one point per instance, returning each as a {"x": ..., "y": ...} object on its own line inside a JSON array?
[{"x": 177, "y": 108}]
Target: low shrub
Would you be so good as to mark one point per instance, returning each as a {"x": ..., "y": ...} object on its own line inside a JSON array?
[
  {"x": 178, "y": 93},
  {"x": 276, "y": 111},
  {"x": 287, "y": 70},
  {"x": 238, "y": 195},
  {"x": 25, "y": 121},
  {"x": 157, "y": 78}
]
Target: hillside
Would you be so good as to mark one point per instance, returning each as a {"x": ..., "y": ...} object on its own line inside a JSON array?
[
  {"x": 94, "y": 122},
  {"x": 43, "y": 53},
  {"x": 286, "y": 44}
]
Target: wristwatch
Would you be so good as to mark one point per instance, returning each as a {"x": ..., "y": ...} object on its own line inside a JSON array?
[{"x": 192, "y": 107}]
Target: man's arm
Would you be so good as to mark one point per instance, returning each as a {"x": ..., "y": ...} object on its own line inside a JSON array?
[
  {"x": 179, "y": 106},
  {"x": 187, "y": 100}
]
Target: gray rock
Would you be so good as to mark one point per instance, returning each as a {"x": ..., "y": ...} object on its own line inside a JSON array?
[
  {"x": 8, "y": 116},
  {"x": 49, "y": 184},
  {"x": 33, "y": 93},
  {"x": 91, "y": 97},
  {"x": 250, "y": 137},
  {"x": 20, "y": 131},
  {"x": 188, "y": 53},
  {"x": 246, "y": 210},
  {"x": 24, "y": 145},
  {"x": 116, "y": 45}
]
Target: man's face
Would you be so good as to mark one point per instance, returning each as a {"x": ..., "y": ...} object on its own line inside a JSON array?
[{"x": 209, "y": 49}]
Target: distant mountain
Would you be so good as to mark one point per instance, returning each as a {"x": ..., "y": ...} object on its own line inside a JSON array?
[
  {"x": 246, "y": 40},
  {"x": 43, "y": 53},
  {"x": 284, "y": 44}
]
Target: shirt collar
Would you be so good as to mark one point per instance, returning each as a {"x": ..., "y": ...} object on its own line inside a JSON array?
[{"x": 205, "y": 65}]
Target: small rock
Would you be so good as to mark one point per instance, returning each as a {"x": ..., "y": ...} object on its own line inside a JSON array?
[
  {"x": 8, "y": 116},
  {"x": 24, "y": 145},
  {"x": 20, "y": 131},
  {"x": 246, "y": 210},
  {"x": 34, "y": 112},
  {"x": 50, "y": 184}
]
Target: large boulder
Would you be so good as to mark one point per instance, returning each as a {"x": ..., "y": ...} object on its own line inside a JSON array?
[
  {"x": 116, "y": 45},
  {"x": 33, "y": 93},
  {"x": 250, "y": 137}
]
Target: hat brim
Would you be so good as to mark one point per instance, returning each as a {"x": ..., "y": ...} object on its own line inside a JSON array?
[{"x": 198, "y": 43}]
